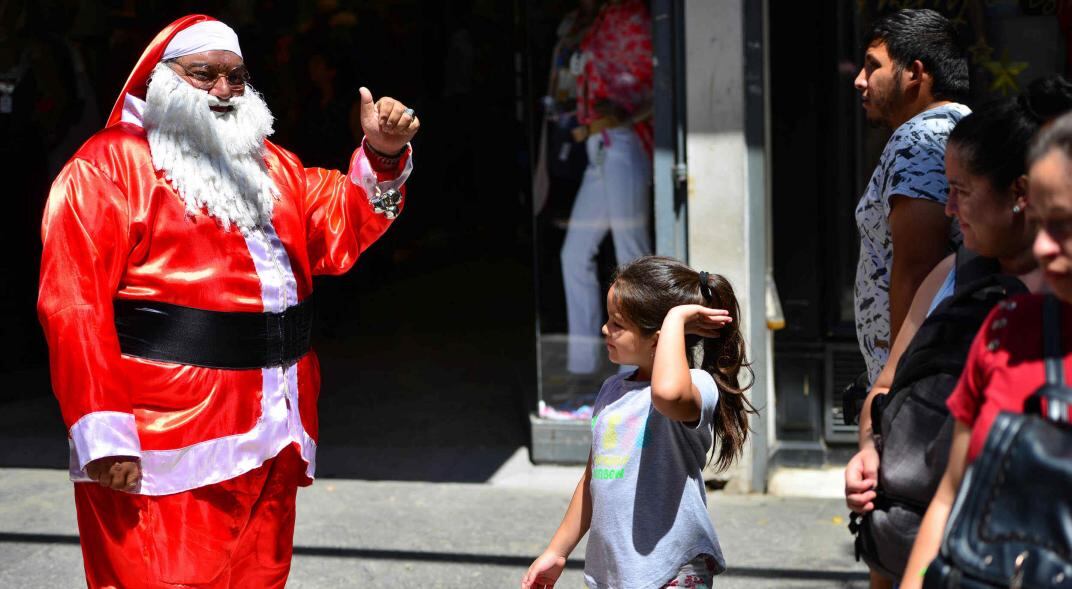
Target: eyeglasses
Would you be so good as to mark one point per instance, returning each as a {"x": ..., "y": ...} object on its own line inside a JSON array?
[{"x": 204, "y": 76}]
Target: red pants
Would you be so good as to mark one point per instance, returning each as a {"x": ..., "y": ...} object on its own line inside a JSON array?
[{"x": 238, "y": 533}]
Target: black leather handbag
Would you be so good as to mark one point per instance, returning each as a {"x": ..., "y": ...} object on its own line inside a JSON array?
[{"x": 1011, "y": 524}]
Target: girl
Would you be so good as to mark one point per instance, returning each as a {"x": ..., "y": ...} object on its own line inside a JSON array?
[
  {"x": 642, "y": 494},
  {"x": 1005, "y": 365}
]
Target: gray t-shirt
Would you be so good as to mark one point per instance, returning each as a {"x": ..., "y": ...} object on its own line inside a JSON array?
[
  {"x": 912, "y": 165},
  {"x": 649, "y": 506}
]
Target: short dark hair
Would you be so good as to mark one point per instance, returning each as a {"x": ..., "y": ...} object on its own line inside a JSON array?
[
  {"x": 1057, "y": 136},
  {"x": 992, "y": 142},
  {"x": 926, "y": 35}
]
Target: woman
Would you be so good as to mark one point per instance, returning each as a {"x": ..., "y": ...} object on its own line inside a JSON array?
[
  {"x": 991, "y": 382},
  {"x": 988, "y": 196}
]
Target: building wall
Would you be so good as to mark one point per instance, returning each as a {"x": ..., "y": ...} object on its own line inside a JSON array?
[{"x": 726, "y": 200}]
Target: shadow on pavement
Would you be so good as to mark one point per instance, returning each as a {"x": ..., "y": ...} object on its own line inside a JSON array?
[{"x": 474, "y": 559}]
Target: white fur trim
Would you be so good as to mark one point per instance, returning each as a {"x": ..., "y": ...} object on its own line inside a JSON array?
[
  {"x": 279, "y": 288},
  {"x": 209, "y": 35},
  {"x": 173, "y": 471},
  {"x": 101, "y": 434},
  {"x": 133, "y": 110},
  {"x": 362, "y": 174}
]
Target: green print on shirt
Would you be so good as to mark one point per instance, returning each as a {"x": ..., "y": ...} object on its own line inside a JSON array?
[
  {"x": 608, "y": 473},
  {"x": 607, "y": 465}
]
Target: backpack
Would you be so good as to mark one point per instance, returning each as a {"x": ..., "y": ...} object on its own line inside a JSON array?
[
  {"x": 912, "y": 426},
  {"x": 1010, "y": 523}
]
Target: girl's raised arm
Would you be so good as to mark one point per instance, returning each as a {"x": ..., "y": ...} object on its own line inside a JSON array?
[{"x": 672, "y": 391}]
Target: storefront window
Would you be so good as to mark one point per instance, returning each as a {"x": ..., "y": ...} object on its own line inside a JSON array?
[{"x": 591, "y": 192}]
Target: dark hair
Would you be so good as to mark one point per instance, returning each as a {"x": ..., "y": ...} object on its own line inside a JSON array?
[
  {"x": 992, "y": 142},
  {"x": 647, "y": 288},
  {"x": 1056, "y": 136},
  {"x": 1047, "y": 97},
  {"x": 926, "y": 35}
]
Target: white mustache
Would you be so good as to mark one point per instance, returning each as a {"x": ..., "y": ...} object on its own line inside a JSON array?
[{"x": 214, "y": 101}]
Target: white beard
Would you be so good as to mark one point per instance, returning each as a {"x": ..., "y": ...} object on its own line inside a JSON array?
[{"x": 215, "y": 161}]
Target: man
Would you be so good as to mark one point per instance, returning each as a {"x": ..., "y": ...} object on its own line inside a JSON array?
[
  {"x": 179, "y": 251},
  {"x": 914, "y": 72}
]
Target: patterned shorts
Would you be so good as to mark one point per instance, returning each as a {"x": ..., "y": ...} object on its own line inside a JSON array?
[{"x": 698, "y": 573}]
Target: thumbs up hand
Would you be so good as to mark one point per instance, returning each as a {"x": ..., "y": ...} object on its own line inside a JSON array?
[{"x": 387, "y": 125}]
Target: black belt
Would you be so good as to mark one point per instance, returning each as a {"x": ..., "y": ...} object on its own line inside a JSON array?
[{"x": 214, "y": 339}]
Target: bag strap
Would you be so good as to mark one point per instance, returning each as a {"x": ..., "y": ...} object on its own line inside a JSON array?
[
  {"x": 971, "y": 267},
  {"x": 1051, "y": 341},
  {"x": 1052, "y": 400}
]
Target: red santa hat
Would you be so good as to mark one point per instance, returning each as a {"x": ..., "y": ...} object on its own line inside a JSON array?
[{"x": 190, "y": 34}]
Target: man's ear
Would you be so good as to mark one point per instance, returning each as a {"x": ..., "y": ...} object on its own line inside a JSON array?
[{"x": 916, "y": 72}]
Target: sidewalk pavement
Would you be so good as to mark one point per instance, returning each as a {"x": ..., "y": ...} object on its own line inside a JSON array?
[{"x": 362, "y": 534}]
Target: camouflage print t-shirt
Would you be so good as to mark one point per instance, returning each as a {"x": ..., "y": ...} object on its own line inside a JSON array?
[{"x": 912, "y": 165}]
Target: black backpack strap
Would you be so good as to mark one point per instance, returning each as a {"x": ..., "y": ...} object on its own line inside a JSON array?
[{"x": 971, "y": 267}]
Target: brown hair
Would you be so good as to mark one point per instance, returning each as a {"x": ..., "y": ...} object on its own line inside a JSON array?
[{"x": 647, "y": 288}]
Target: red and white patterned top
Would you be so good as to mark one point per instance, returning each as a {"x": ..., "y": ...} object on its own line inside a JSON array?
[{"x": 618, "y": 66}]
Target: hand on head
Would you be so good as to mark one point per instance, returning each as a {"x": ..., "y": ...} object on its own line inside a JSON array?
[
  {"x": 387, "y": 123},
  {"x": 702, "y": 321}
]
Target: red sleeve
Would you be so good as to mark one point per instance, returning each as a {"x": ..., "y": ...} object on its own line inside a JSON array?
[
  {"x": 340, "y": 221},
  {"x": 967, "y": 398},
  {"x": 85, "y": 239}
]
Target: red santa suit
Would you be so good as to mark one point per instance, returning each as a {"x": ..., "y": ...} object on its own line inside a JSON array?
[{"x": 222, "y": 449}]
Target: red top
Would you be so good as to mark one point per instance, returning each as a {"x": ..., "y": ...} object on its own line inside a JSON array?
[
  {"x": 1005, "y": 366},
  {"x": 618, "y": 66}
]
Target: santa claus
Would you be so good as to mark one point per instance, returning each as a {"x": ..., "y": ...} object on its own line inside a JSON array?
[{"x": 179, "y": 251}]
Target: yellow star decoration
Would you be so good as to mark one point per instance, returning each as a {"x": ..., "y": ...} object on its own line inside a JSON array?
[
  {"x": 1004, "y": 73},
  {"x": 981, "y": 52}
]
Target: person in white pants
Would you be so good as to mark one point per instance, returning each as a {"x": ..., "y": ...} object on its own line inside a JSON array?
[{"x": 614, "y": 196}]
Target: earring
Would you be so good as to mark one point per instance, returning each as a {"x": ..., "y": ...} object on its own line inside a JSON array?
[{"x": 1017, "y": 209}]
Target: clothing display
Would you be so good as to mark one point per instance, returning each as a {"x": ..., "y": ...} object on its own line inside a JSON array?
[
  {"x": 615, "y": 82},
  {"x": 616, "y": 75},
  {"x": 614, "y": 197}
]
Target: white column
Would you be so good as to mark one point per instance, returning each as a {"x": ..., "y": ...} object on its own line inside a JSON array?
[{"x": 727, "y": 200}]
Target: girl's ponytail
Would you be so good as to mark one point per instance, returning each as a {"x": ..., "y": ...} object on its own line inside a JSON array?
[
  {"x": 723, "y": 358},
  {"x": 648, "y": 288}
]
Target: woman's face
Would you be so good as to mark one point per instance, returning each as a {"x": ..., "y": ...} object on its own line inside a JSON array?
[
  {"x": 1051, "y": 205},
  {"x": 985, "y": 213}
]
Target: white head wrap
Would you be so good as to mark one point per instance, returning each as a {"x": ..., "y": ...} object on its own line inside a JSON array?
[{"x": 209, "y": 35}]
